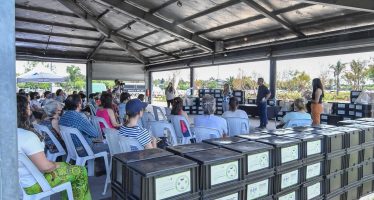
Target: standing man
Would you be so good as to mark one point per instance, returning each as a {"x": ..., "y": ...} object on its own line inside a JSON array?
[
  {"x": 118, "y": 87},
  {"x": 263, "y": 94}
]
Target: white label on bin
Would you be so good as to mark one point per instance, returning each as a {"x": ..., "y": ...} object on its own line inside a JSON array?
[
  {"x": 341, "y": 112},
  {"x": 351, "y": 106},
  {"x": 224, "y": 172},
  {"x": 359, "y": 107},
  {"x": 323, "y": 116},
  {"x": 258, "y": 189},
  {"x": 358, "y": 114},
  {"x": 258, "y": 161},
  {"x": 313, "y": 147},
  {"x": 289, "y": 179},
  {"x": 341, "y": 105},
  {"x": 313, "y": 170},
  {"x": 289, "y": 196},
  {"x": 172, "y": 185},
  {"x": 289, "y": 153},
  {"x": 230, "y": 197},
  {"x": 351, "y": 113},
  {"x": 313, "y": 190}
]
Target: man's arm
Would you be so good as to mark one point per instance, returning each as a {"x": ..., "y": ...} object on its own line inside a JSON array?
[{"x": 88, "y": 128}]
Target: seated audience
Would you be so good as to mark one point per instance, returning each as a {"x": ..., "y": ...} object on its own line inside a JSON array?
[
  {"x": 34, "y": 103},
  {"x": 60, "y": 96},
  {"x": 208, "y": 120},
  {"x": 72, "y": 117},
  {"x": 134, "y": 111},
  {"x": 124, "y": 98},
  {"x": 234, "y": 111},
  {"x": 141, "y": 97},
  {"x": 177, "y": 108},
  {"x": 105, "y": 111},
  {"x": 299, "y": 113},
  {"x": 47, "y": 95},
  {"x": 56, "y": 173},
  {"x": 53, "y": 110}
]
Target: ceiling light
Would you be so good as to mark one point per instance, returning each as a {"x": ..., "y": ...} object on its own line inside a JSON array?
[{"x": 179, "y": 3}]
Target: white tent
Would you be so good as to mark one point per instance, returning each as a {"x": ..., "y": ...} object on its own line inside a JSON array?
[{"x": 40, "y": 77}]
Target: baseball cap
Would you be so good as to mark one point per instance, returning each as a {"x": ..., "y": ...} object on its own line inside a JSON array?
[{"x": 134, "y": 106}]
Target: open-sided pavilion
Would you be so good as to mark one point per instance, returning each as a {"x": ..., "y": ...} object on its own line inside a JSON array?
[{"x": 131, "y": 39}]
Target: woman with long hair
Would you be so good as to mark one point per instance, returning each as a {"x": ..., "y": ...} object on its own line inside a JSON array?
[
  {"x": 226, "y": 94},
  {"x": 177, "y": 108},
  {"x": 134, "y": 111},
  {"x": 317, "y": 96},
  {"x": 56, "y": 173},
  {"x": 170, "y": 94},
  {"x": 106, "y": 111}
]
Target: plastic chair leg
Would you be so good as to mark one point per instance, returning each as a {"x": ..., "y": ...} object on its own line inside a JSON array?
[
  {"x": 70, "y": 193},
  {"x": 91, "y": 167},
  {"x": 108, "y": 170}
]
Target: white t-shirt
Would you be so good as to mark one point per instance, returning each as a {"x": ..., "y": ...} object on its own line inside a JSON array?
[
  {"x": 211, "y": 121},
  {"x": 35, "y": 104},
  {"x": 237, "y": 113},
  {"x": 28, "y": 144}
]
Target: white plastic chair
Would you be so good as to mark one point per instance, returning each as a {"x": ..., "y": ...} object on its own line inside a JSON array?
[
  {"x": 298, "y": 122},
  {"x": 203, "y": 133},
  {"x": 96, "y": 121},
  {"x": 158, "y": 127},
  {"x": 146, "y": 118},
  {"x": 129, "y": 144},
  {"x": 47, "y": 190},
  {"x": 67, "y": 133},
  {"x": 237, "y": 126},
  {"x": 159, "y": 114},
  {"x": 176, "y": 120},
  {"x": 92, "y": 109},
  {"x": 61, "y": 151},
  {"x": 112, "y": 139}
]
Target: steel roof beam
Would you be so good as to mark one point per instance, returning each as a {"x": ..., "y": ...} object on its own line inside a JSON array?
[
  {"x": 23, "y": 30},
  {"x": 159, "y": 23},
  {"x": 146, "y": 35},
  {"x": 251, "y": 19},
  {"x": 43, "y": 22},
  {"x": 46, "y": 10},
  {"x": 102, "y": 14},
  {"x": 103, "y": 29},
  {"x": 162, "y": 43},
  {"x": 273, "y": 17},
  {"x": 359, "y": 5},
  {"x": 207, "y": 11},
  {"x": 162, "y": 6},
  {"x": 96, "y": 49}
]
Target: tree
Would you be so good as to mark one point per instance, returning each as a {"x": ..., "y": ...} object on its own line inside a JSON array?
[
  {"x": 357, "y": 75},
  {"x": 76, "y": 80},
  {"x": 30, "y": 65},
  {"x": 230, "y": 81},
  {"x": 338, "y": 68}
]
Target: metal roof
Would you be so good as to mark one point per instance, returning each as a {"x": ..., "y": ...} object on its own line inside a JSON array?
[{"x": 154, "y": 31}]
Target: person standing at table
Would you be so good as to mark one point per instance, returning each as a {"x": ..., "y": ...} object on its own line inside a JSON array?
[
  {"x": 226, "y": 94},
  {"x": 263, "y": 94},
  {"x": 317, "y": 96},
  {"x": 170, "y": 94}
]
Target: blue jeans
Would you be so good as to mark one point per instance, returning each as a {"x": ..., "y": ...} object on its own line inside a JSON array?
[{"x": 263, "y": 112}]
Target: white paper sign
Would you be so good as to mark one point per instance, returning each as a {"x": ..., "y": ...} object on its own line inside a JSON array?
[
  {"x": 258, "y": 161},
  {"x": 313, "y": 147},
  {"x": 172, "y": 185},
  {"x": 313, "y": 190},
  {"x": 289, "y": 196},
  {"x": 289, "y": 179},
  {"x": 224, "y": 172},
  {"x": 259, "y": 189},
  {"x": 313, "y": 170},
  {"x": 289, "y": 153},
  {"x": 230, "y": 197}
]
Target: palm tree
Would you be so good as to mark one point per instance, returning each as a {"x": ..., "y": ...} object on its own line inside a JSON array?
[
  {"x": 230, "y": 81},
  {"x": 338, "y": 69}
]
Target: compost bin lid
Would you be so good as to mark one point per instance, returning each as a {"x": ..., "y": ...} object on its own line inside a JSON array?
[
  {"x": 161, "y": 165},
  {"x": 142, "y": 155},
  {"x": 254, "y": 136},
  {"x": 305, "y": 136},
  {"x": 213, "y": 155},
  {"x": 249, "y": 147},
  {"x": 187, "y": 148},
  {"x": 224, "y": 141},
  {"x": 279, "y": 141}
]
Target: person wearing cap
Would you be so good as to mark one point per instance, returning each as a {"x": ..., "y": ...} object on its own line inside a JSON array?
[{"x": 134, "y": 111}]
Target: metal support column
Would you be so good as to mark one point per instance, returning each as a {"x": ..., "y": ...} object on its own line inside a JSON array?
[
  {"x": 8, "y": 117},
  {"x": 192, "y": 78},
  {"x": 89, "y": 78},
  {"x": 273, "y": 77},
  {"x": 148, "y": 76}
]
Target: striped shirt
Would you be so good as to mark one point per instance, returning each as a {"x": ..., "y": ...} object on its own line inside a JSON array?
[{"x": 139, "y": 133}]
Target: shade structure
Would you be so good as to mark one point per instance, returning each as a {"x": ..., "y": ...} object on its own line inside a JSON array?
[{"x": 40, "y": 77}]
